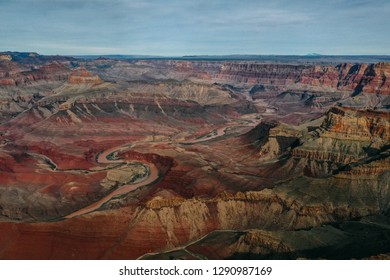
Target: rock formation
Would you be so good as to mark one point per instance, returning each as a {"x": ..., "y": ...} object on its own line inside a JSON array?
[
  {"x": 345, "y": 77},
  {"x": 81, "y": 75}
]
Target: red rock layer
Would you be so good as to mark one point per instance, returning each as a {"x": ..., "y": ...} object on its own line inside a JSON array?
[
  {"x": 129, "y": 232},
  {"x": 345, "y": 77},
  {"x": 12, "y": 73},
  {"x": 358, "y": 123}
]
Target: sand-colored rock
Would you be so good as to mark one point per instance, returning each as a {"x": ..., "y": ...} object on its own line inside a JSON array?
[{"x": 82, "y": 76}]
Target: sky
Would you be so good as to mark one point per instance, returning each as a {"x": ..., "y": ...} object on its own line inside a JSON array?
[{"x": 196, "y": 27}]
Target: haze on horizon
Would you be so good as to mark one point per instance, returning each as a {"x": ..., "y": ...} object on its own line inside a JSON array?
[{"x": 202, "y": 27}]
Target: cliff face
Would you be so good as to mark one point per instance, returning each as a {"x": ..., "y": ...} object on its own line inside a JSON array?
[
  {"x": 344, "y": 240},
  {"x": 345, "y": 77},
  {"x": 253, "y": 73},
  {"x": 346, "y": 136},
  {"x": 18, "y": 69},
  {"x": 14, "y": 74},
  {"x": 164, "y": 224},
  {"x": 280, "y": 141},
  {"x": 377, "y": 79},
  {"x": 9, "y": 69},
  {"x": 358, "y": 124},
  {"x": 355, "y": 78}
]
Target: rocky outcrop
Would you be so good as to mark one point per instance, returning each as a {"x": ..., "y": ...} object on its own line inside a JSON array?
[
  {"x": 346, "y": 136},
  {"x": 5, "y": 57},
  {"x": 343, "y": 240},
  {"x": 82, "y": 76},
  {"x": 16, "y": 74},
  {"x": 8, "y": 69},
  {"x": 280, "y": 141},
  {"x": 376, "y": 79},
  {"x": 358, "y": 123},
  {"x": 204, "y": 94}
]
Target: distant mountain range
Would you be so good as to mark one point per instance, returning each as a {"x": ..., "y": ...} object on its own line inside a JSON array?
[{"x": 308, "y": 58}]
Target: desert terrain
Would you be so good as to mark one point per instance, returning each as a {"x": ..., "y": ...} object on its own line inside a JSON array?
[{"x": 124, "y": 158}]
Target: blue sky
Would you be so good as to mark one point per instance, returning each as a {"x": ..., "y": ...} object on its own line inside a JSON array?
[{"x": 197, "y": 27}]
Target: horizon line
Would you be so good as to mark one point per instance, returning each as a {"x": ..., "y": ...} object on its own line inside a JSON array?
[{"x": 308, "y": 55}]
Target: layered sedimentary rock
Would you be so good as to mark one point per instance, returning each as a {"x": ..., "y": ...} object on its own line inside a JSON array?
[
  {"x": 345, "y": 77},
  {"x": 337, "y": 241},
  {"x": 8, "y": 69},
  {"x": 354, "y": 85},
  {"x": 81, "y": 76},
  {"x": 345, "y": 137},
  {"x": 278, "y": 141},
  {"x": 19, "y": 76}
]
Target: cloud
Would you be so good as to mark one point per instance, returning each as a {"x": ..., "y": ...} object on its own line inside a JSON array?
[
  {"x": 249, "y": 18},
  {"x": 206, "y": 26}
]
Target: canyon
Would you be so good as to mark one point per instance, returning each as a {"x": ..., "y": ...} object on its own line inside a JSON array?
[{"x": 109, "y": 158}]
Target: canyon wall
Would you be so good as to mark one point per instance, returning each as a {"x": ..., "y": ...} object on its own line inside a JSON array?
[{"x": 372, "y": 78}]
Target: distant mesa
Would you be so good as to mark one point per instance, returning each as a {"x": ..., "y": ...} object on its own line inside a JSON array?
[
  {"x": 5, "y": 57},
  {"x": 313, "y": 54},
  {"x": 82, "y": 76},
  {"x": 18, "y": 55}
]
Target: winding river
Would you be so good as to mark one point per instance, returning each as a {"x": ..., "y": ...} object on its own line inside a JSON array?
[{"x": 104, "y": 158}]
